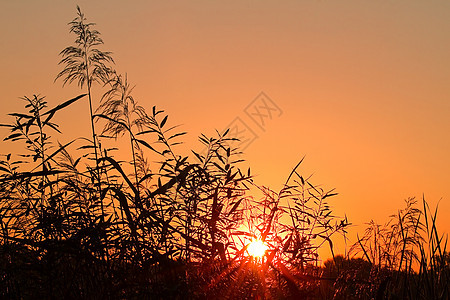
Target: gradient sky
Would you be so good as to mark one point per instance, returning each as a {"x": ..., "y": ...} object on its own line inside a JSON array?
[{"x": 363, "y": 85}]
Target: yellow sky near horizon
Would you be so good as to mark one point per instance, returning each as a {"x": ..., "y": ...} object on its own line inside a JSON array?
[{"x": 362, "y": 85}]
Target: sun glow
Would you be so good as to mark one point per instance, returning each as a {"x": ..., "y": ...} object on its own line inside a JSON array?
[{"x": 256, "y": 248}]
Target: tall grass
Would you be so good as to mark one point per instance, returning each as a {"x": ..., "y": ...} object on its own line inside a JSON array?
[
  {"x": 406, "y": 258},
  {"x": 77, "y": 222}
]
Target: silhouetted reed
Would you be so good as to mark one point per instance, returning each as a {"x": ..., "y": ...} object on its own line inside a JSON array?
[{"x": 405, "y": 258}]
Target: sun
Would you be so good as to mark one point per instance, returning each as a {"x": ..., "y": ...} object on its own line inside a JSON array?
[{"x": 257, "y": 248}]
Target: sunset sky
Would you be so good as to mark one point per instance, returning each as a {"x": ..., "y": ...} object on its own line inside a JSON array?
[{"x": 362, "y": 88}]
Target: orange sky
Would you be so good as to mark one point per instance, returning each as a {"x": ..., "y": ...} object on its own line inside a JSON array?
[{"x": 363, "y": 85}]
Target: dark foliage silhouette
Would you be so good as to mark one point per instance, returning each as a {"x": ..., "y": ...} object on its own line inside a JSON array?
[{"x": 77, "y": 222}]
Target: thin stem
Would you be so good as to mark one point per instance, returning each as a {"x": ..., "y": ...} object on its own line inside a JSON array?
[{"x": 94, "y": 139}]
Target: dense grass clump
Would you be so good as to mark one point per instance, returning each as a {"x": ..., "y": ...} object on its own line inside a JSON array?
[
  {"x": 404, "y": 259},
  {"x": 77, "y": 222}
]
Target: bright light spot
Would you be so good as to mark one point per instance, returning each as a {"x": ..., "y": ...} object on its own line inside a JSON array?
[{"x": 256, "y": 248}]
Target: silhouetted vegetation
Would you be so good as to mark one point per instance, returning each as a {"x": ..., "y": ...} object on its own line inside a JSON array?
[
  {"x": 78, "y": 223},
  {"x": 404, "y": 259}
]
